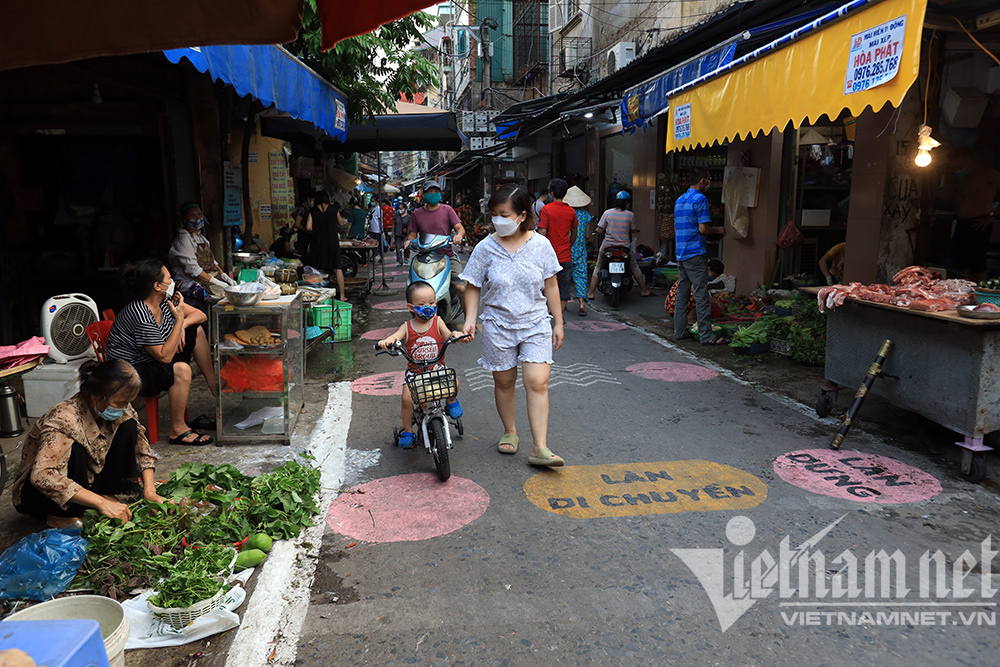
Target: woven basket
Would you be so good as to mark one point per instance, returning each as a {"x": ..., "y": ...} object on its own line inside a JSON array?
[
  {"x": 432, "y": 386},
  {"x": 988, "y": 296},
  {"x": 182, "y": 617}
]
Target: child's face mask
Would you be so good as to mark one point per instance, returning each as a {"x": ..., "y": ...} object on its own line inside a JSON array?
[{"x": 425, "y": 312}]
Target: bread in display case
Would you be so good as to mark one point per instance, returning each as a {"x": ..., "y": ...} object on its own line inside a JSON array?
[{"x": 259, "y": 359}]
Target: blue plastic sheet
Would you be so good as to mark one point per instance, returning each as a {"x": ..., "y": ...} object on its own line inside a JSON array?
[{"x": 41, "y": 565}]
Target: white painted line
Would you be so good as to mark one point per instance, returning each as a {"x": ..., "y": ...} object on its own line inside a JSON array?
[{"x": 277, "y": 610}]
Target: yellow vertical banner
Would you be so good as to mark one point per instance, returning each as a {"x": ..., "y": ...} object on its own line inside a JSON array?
[{"x": 280, "y": 203}]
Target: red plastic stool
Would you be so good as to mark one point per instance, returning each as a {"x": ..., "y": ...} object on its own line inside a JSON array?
[{"x": 153, "y": 419}]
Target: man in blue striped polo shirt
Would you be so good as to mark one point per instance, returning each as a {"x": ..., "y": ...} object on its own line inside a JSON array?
[{"x": 691, "y": 222}]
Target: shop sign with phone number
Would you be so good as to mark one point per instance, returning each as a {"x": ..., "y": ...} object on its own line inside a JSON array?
[{"x": 875, "y": 55}]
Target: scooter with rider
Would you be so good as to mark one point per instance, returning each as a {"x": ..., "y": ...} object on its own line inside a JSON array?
[{"x": 433, "y": 229}]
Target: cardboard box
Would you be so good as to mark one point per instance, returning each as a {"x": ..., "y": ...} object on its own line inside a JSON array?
[{"x": 963, "y": 106}]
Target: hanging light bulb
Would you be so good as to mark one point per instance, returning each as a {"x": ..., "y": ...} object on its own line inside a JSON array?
[{"x": 925, "y": 144}]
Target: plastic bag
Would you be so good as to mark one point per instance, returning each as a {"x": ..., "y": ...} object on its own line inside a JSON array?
[
  {"x": 734, "y": 197},
  {"x": 790, "y": 236},
  {"x": 41, "y": 565},
  {"x": 148, "y": 631},
  {"x": 257, "y": 373}
]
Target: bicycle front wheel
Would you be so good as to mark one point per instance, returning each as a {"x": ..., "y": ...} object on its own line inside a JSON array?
[{"x": 439, "y": 448}]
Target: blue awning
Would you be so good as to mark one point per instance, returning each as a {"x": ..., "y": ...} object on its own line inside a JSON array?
[
  {"x": 275, "y": 77},
  {"x": 648, "y": 99}
]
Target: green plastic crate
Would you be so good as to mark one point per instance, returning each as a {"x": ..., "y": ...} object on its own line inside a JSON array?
[
  {"x": 341, "y": 321},
  {"x": 321, "y": 315}
]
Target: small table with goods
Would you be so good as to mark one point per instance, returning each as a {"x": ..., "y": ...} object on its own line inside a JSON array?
[
  {"x": 354, "y": 252},
  {"x": 943, "y": 365},
  {"x": 259, "y": 358}
]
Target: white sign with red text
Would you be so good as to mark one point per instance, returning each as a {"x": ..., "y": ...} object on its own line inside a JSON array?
[
  {"x": 682, "y": 121},
  {"x": 875, "y": 56}
]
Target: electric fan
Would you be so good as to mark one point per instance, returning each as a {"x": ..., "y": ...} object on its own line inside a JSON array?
[{"x": 65, "y": 319}]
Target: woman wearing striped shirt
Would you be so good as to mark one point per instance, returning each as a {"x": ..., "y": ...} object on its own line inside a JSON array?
[{"x": 159, "y": 334}]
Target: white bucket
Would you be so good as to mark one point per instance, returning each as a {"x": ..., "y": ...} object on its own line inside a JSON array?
[{"x": 108, "y": 613}]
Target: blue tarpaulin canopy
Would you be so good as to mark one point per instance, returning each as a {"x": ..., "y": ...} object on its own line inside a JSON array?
[
  {"x": 648, "y": 99},
  {"x": 275, "y": 77}
]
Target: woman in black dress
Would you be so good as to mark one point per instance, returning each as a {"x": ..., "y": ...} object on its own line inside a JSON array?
[{"x": 325, "y": 224}]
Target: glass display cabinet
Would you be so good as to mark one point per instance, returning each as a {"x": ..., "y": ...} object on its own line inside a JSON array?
[{"x": 259, "y": 358}]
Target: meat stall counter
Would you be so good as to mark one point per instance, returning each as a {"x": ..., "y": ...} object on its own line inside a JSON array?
[{"x": 943, "y": 366}]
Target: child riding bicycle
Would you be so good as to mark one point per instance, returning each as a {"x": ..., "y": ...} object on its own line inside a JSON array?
[{"x": 422, "y": 336}]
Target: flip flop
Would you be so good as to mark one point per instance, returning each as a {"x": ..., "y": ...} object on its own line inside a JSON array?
[
  {"x": 546, "y": 458},
  {"x": 203, "y": 422},
  {"x": 718, "y": 340},
  {"x": 179, "y": 440},
  {"x": 511, "y": 441}
]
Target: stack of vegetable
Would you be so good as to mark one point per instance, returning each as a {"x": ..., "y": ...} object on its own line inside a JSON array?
[
  {"x": 213, "y": 506},
  {"x": 804, "y": 332}
]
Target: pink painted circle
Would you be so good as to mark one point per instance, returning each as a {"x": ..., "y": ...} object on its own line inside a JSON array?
[
  {"x": 390, "y": 305},
  {"x": 407, "y": 508},
  {"x": 598, "y": 327},
  {"x": 380, "y": 384},
  {"x": 378, "y": 334},
  {"x": 670, "y": 371},
  {"x": 849, "y": 475}
]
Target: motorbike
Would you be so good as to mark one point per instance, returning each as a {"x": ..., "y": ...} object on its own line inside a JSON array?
[
  {"x": 615, "y": 279},
  {"x": 431, "y": 390},
  {"x": 430, "y": 264}
]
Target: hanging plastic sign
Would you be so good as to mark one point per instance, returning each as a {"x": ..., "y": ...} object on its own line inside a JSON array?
[
  {"x": 875, "y": 56},
  {"x": 682, "y": 122}
]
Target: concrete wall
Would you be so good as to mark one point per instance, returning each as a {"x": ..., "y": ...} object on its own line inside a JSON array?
[
  {"x": 648, "y": 154},
  {"x": 869, "y": 178},
  {"x": 751, "y": 260}
]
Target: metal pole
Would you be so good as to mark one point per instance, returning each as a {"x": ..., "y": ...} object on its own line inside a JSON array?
[
  {"x": 859, "y": 398},
  {"x": 378, "y": 202}
]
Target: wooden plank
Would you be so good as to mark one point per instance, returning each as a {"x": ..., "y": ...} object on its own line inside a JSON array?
[{"x": 946, "y": 315}]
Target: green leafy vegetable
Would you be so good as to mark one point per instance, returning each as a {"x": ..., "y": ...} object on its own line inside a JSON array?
[{"x": 214, "y": 506}]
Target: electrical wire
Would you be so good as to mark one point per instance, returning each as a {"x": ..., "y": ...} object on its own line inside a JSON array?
[
  {"x": 988, "y": 52},
  {"x": 927, "y": 89}
]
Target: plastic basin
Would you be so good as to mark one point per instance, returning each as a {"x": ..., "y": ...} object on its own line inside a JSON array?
[{"x": 107, "y": 612}]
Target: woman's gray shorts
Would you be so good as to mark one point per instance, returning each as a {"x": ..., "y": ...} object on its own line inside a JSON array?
[{"x": 503, "y": 348}]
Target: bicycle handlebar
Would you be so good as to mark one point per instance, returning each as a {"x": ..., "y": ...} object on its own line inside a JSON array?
[{"x": 398, "y": 349}]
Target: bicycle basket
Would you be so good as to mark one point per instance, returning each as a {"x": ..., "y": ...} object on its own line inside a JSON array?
[{"x": 433, "y": 385}]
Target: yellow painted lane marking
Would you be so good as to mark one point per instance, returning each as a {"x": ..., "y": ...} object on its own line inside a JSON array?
[{"x": 630, "y": 489}]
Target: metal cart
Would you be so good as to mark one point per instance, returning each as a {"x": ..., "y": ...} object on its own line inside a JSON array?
[
  {"x": 253, "y": 378},
  {"x": 943, "y": 366}
]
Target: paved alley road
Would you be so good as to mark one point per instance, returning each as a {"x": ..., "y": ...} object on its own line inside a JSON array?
[{"x": 669, "y": 538}]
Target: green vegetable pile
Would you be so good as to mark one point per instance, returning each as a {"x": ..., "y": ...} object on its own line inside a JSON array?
[
  {"x": 195, "y": 578},
  {"x": 212, "y": 505},
  {"x": 803, "y": 332},
  {"x": 992, "y": 283}
]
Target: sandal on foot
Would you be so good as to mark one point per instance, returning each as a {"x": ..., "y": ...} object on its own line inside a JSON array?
[
  {"x": 197, "y": 442},
  {"x": 454, "y": 410},
  {"x": 546, "y": 458},
  {"x": 508, "y": 444},
  {"x": 406, "y": 440}
]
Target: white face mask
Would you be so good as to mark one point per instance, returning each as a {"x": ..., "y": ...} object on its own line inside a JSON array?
[
  {"x": 505, "y": 226},
  {"x": 170, "y": 289}
]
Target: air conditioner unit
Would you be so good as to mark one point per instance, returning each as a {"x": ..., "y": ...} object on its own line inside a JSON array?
[
  {"x": 621, "y": 54},
  {"x": 65, "y": 319}
]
